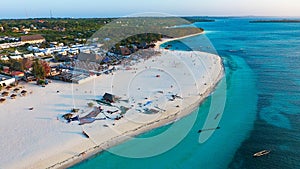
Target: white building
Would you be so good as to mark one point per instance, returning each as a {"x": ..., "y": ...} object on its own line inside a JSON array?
[
  {"x": 39, "y": 54},
  {"x": 34, "y": 49},
  {"x": 47, "y": 51},
  {"x": 16, "y": 57},
  {"x": 27, "y": 56},
  {"x": 4, "y": 58},
  {"x": 6, "y": 80}
]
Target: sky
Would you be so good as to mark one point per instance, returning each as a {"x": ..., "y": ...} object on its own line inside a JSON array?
[{"x": 118, "y": 8}]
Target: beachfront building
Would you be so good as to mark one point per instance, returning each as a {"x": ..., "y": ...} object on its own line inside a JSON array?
[
  {"x": 4, "y": 58},
  {"x": 16, "y": 57},
  {"x": 90, "y": 57},
  {"x": 39, "y": 54},
  {"x": 18, "y": 75},
  {"x": 6, "y": 80},
  {"x": 109, "y": 98},
  {"x": 5, "y": 69},
  {"x": 33, "y": 39},
  {"x": 28, "y": 56}
]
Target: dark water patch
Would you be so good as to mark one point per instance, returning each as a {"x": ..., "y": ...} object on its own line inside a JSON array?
[{"x": 279, "y": 141}]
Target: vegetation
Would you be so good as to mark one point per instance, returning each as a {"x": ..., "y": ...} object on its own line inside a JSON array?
[
  {"x": 194, "y": 19},
  {"x": 90, "y": 104},
  {"x": 40, "y": 69},
  {"x": 134, "y": 33},
  {"x": 70, "y": 31},
  {"x": 64, "y": 30},
  {"x": 276, "y": 21}
]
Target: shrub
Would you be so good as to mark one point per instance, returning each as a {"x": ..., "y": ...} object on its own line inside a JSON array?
[{"x": 90, "y": 104}]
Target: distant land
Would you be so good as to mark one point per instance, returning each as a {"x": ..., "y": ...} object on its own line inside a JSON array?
[
  {"x": 194, "y": 19},
  {"x": 277, "y": 21}
]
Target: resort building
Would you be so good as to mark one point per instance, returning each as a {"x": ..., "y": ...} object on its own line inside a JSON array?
[
  {"x": 33, "y": 39},
  {"x": 4, "y": 58},
  {"x": 27, "y": 56},
  {"x": 90, "y": 57},
  {"x": 6, "y": 80},
  {"x": 17, "y": 57},
  {"x": 39, "y": 54},
  {"x": 17, "y": 75}
]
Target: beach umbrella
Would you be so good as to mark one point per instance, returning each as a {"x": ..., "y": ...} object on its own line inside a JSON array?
[
  {"x": 5, "y": 94},
  {"x": 13, "y": 96},
  {"x": 16, "y": 89},
  {"x": 2, "y": 100},
  {"x": 23, "y": 92}
]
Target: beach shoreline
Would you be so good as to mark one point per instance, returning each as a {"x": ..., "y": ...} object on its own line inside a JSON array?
[
  {"x": 165, "y": 40},
  {"x": 168, "y": 120},
  {"x": 73, "y": 149},
  {"x": 145, "y": 128}
]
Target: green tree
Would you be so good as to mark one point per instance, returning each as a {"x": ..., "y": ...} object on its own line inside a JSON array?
[
  {"x": 37, "y": 69},
  {"x": 40, "y": 69},
  {"x": 16, "y": 65},
  {"x": 90, "y": 104}
]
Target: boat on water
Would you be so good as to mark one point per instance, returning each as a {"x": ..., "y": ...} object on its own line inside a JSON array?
[
  {"x": 261, "y": 153},
  {"x": 199, "y": 131},
  {"x": 85, "y": 134}
]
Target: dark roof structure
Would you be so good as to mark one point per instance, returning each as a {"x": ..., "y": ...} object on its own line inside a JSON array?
[
  {"x": 90, "y": 57},
  {"x": 32, "y": 38},
  {"x": 109, "y": 97}
]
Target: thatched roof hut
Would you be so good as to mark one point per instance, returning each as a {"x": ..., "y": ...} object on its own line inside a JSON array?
[
  {"x": 16, "y": 89},
  {"x": 2, "y": 100},
  {"x": 13, "y": 96},
  {"x": 67, "y": 116},
  {"x": 109, "y": 98},
  {"x": 23, "y": 92},
  {"x": 5, "y": 94}
]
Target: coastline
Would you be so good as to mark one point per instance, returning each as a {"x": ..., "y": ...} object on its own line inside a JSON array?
[
  {"x": 165, "y": 40},
  {"x": 85, "y": 149},
  {"x": 135, "y": 132}
]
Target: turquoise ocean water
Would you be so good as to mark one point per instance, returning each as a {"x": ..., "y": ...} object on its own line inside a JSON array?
[{"x": 262, "y": 107}]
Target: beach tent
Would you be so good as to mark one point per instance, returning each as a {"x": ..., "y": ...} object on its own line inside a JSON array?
[
  {"x": 109, "y": 97},
  {"x": 2, "y": 100},
  {"x": 13, "y": 96},
  {"x": 23, "y": 92},
  {"x": 5, "y": 94}
]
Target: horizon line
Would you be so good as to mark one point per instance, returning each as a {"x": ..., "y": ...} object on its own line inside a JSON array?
[{"x": 111, "y": 17}]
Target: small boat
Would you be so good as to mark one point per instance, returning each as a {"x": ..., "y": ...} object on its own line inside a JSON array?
[
  {"x": 168, "y": 47},
  {"x": 85, "y": 134},
  {"x": 209, "y": 129},
  {"x": 261, "y": 153}
]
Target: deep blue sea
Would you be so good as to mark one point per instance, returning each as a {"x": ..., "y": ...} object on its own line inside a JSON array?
[{"x": 262, "y": 64}]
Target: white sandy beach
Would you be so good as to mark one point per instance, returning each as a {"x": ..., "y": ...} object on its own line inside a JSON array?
[
  {"x": 37, "y": 139},
  {"x": 165, "y": 40}
]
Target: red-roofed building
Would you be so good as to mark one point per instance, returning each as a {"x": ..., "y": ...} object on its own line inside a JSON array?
[
  {"x": 5, "y": 69},
  {"x": 17, "y": 74}
]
